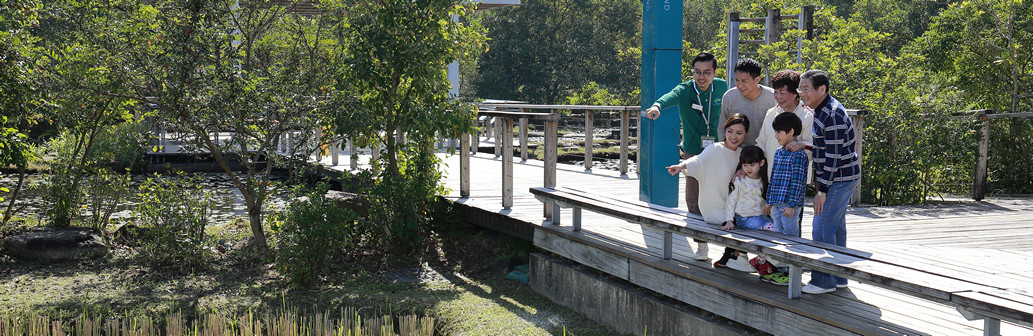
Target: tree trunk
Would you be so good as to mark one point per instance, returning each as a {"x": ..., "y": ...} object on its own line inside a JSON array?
[
  {"x": 254, "y": 214},
  {"x": 14, "y": 196}
]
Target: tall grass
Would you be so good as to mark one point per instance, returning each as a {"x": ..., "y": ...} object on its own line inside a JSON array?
[{"x": 289, "y": 323}]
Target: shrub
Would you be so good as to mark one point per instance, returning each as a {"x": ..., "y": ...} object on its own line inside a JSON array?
[
  {"x": 310, "y": 232},
  {"x": 63, "y": 195},
  {"x": 175, "y": 211}
]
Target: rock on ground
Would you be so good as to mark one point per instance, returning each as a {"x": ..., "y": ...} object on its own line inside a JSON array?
[{"x": 56, "y": 244}]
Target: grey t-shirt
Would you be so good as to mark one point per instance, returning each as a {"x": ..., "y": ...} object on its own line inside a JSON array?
[{"x": 754, "y": 110}]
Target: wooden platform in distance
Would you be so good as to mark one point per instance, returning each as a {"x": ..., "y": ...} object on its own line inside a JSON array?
[{"x": 981, "y": 239}]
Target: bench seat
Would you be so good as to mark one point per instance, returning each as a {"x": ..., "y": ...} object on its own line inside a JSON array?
[{"x": 974, "y": 298}]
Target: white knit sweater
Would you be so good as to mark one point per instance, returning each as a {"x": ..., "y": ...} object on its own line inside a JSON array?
[
  {"x": 746, "y": 200},
  {"x": 713, "y": 168}
]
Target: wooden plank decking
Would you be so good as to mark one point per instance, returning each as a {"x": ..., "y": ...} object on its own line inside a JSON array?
[{"x": 989, "y": 239}]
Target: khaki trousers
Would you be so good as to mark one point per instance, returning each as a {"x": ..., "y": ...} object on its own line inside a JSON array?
[{"x": 692, "y": 194}]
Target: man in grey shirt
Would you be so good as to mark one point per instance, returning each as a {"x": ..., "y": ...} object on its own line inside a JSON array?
[{"x": 749, "y": 98}]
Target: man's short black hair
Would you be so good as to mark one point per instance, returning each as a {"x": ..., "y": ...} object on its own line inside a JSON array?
[
  {"x": 818, "y": 78},
  {"x": 748, "y": 66},
  {"x": 787, "y": 121},
  {"x": 704, "y": 57}
]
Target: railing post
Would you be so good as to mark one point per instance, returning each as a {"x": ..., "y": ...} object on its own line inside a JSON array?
[
  {"x": 523, "y": 140},
  {"x": 858, "y": 121},
  {"x": 733, "y": 46},
  {"x": 374, "y": 156},
  {"x": 979, "y": 187},
  {"x": 319, "y": 145},
  {"x": 464, "y": 165},
  {"x": 164, "y": 141},
  {"x": 804, "y": 23},
  {"x": 335, "y": 153},
  {"x": 772, "y": 32},
  {"x": 625, "y": 128},
  {"x": 589, "y": 130},
  {"x": 290, "y": 143},
  {"x": 353, "y": 155},
  {"x": 550, "y": 160},
  {"x": 498, "y": 135},
  {"x": 507, "y": 163}
]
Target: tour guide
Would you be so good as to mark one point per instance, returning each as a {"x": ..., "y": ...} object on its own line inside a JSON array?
[
  {"x": 700, "y": 109},
  {"x": 700, "y": 106}
]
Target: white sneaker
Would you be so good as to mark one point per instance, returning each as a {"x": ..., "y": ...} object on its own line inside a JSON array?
[
  {"x": 740, "y": 264},
  {"x": 702, "y": 252},
  {"x": 812, "y": 289}
]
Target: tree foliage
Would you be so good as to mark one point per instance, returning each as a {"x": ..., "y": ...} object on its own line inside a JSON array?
[
  {"x": 236, "y": 80},
  {"x": 541, "y": 50}
]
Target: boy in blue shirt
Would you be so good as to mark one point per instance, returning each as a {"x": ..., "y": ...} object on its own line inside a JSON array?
[
  {"x": 786, "y": 187},
  {"x": 787, "y": 184}
]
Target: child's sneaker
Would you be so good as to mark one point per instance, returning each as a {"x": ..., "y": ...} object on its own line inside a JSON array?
[
  {"x": 777, "y": 278},
  {"x": 762, "y": 266},
  {"x": 769, "y": 227}
]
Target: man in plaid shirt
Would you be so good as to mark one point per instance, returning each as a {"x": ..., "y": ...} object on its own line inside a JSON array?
[
  {"x": 837, "y": 170},
  {"x": 788, "y": 182}
]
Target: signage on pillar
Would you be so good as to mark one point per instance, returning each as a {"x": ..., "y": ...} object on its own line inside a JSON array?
[{"x": 661, "y": 72}]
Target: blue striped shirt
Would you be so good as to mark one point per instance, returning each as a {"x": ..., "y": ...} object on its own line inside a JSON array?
[
  {"x": 788, "y": 178},
  {"x": 835, "y": 159}
]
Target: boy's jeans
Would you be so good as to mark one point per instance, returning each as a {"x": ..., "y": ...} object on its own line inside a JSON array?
[
  {"x": 789, "y": 226},
  {"x": 830, "y": 227}
]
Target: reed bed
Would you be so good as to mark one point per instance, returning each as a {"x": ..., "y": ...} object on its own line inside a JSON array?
[{"x": 346, "y": 322}]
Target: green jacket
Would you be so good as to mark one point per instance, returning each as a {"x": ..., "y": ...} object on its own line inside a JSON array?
[{"x": 693, "y": 127}]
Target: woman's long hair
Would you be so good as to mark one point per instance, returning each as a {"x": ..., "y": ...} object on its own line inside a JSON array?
[{"x": 750, "y": 155}]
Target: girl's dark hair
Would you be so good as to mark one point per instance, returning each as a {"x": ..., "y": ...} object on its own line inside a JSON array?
[
  {"x": 737, "y": 118},
  {"x": 749, "y": 155}
]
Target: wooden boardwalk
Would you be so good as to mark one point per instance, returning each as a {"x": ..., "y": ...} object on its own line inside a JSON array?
[{"x": 988, "y": 239}]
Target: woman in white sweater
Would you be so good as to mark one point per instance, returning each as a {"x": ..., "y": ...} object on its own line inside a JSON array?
[{"x": 713, "y": 168}]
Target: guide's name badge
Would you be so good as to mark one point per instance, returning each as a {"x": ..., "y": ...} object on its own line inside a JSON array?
[
  {"x": 697, "y": 107},
  {"x": 706, "y": 141}
]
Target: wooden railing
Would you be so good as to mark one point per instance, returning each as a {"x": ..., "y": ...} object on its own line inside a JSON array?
[
  {"x": 984, "y": 116},
  {"x": 505, "y": 117}
]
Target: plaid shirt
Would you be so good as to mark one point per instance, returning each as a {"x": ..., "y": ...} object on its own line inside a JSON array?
[
  {"x": 834, "y": 157},
  {"x": 788, "y": 178}
]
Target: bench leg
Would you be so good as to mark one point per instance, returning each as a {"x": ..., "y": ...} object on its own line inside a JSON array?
[
  {"x": 668, "y": 245},
  {"x": 555, "y": 214},
  {"x": 795, "y": 281},
  {"x": 577, "y": 219},
  {"x": 991, "y": 327}
]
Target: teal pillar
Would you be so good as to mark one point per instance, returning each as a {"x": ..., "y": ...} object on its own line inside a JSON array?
[{"x": 661, "y": 72}]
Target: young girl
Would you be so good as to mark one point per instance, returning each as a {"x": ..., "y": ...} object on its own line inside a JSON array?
[{"x": 745, "y": 205}]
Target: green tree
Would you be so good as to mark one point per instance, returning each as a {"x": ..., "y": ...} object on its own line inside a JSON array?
[
  {"x": 980, "y": 48},
  {"x": 397, "y": 88},
  {"x": 397, "y": 70},
  {"x": 541, "y": 50},
  {"x": 17, "y": 96},
  {"x": 203, "y": 68}
]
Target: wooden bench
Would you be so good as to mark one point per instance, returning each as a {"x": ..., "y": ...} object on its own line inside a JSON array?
[{"x": 973, "y": 298}]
